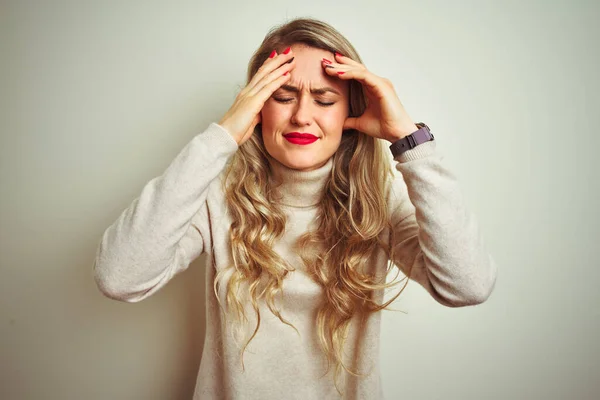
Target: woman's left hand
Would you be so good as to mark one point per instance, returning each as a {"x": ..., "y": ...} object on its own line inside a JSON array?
[{"x": 385, "y": 116}]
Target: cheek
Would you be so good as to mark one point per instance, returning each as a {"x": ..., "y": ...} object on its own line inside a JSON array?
[
  {"x": 336, "y": 118},
  {"x": 271, "y": 113}
]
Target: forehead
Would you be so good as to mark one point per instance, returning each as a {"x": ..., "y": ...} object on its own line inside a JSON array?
[{"x": 309, "y": 73}]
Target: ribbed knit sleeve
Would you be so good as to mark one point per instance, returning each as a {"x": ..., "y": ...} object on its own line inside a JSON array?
[
  {"x": 157, "y": 236},
  {"x": 437, "y": 237}
]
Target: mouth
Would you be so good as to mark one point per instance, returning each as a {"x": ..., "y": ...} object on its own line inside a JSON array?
[
  {"x": 296, "y": 138},
  {"x": 300, "y": 135},
  {"x": 300, "y": 138}
]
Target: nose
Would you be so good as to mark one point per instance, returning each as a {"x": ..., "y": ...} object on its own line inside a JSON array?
[{"x": 302, "y": 115}]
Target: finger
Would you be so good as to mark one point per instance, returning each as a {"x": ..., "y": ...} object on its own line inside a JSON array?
[
  {"x": 326, "y": 63},
  {"x": 273, "y": 76},
  {"x": 269, "y": 88},
  {"x": 270, "y": 65},
  {"x": 333, "y": 68},
  {"x": 362, "y": 75},
  {"x": 346, "y": 60}
]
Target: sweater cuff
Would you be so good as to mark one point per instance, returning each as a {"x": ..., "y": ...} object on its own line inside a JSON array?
[
  {"x": 421, "y": 151},
  {"x": 222, "y": 136}
]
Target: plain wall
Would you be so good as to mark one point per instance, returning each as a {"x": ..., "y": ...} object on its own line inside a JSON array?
[{"x": 97, "y": 97}]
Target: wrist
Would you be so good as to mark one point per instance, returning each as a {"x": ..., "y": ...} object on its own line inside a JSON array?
[
  {"x": 402, "y": 133},
  {"x": 223, "y": 124}
]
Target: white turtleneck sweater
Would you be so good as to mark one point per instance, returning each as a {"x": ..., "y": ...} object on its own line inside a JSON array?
[{"x": 182, "y": 214}]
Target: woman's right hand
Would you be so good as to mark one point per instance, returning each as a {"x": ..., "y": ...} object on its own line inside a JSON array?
[{"x": 244, "y": 114}]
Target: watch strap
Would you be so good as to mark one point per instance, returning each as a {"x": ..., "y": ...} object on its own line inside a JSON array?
[{"x": 421, "y": 135}]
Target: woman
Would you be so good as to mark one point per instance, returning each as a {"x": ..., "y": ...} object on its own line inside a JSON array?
[{"x": 300, "y": 233}]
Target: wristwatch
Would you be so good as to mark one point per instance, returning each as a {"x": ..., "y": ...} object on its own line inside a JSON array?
[{"x": 422, "y": 135}]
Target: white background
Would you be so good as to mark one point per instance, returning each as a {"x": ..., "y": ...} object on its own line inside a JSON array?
[{"x": 97, "y": 97}]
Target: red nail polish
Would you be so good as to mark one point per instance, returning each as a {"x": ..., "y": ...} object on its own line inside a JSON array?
[
  {"x": 341, "y": 72},
  {"x": 326, "y": 61},
  {"x": 287, "y": 50},
  {"x": 287, "y": 72},
  {"x": 273, "y": 54},
  {"x": 338, "y": 54}
]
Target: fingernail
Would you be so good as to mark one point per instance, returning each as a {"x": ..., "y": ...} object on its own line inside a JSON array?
[
  {"x": 273, "y": 54},
  {"x": 287, "y": 72},
  {"x": 338, "y": 54},
  {"x": 326, "y": 61},
  {"x": 287, "y": 50},
  {"x": 341, "y": 72}
]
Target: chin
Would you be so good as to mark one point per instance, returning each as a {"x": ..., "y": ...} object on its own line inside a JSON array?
[{"x": 300, "y": 163}]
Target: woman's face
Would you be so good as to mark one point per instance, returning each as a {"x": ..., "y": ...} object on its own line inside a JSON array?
[{"x": 301, "y": 106}]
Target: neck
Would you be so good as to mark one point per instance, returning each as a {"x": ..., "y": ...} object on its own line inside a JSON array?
[{"x": 299, "y": 188}]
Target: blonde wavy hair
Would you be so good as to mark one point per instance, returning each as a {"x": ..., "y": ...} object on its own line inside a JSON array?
[{"x": 351, "y": 216}]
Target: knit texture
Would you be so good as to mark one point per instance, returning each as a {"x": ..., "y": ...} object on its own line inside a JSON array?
[{"x": 182, "y": 214}]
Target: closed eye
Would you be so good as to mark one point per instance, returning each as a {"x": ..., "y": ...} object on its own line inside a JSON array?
[{"x": 288, "y": 100}]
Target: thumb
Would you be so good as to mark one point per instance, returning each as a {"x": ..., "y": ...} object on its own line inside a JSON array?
[
  {"x": 350, "y": 123},
  {"x": 250, "y": 131},
  {"x": 257, "y": 120}
]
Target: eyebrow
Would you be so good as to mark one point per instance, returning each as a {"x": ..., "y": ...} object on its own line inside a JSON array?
[{"x": 322, "y": 90}]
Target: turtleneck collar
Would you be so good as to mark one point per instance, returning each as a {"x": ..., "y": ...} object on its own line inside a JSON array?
[{"x": 300, "y": 188}]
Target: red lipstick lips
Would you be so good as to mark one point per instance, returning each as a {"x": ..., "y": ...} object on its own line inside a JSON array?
[
  {"x": 300, "y": 138},
  {"x": 300, "y": 135}
]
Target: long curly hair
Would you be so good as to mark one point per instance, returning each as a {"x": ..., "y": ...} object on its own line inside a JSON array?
[{"x": 351, "y": 216}]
